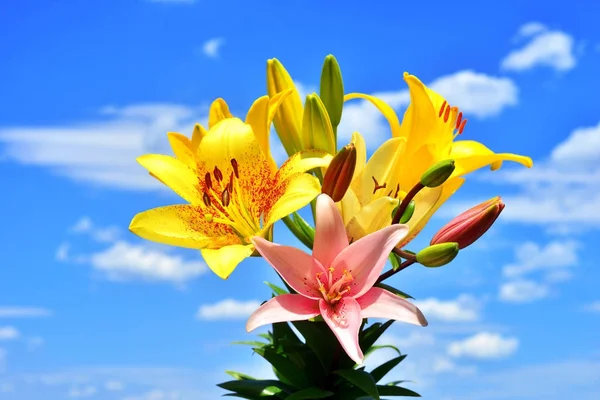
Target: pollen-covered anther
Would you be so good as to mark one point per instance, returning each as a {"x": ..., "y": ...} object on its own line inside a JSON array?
[
  {"x": 225, "y": 198},
  {"x": 218, "y": 174},
  {"x": 206, "y": 199},
  {"x": 234, "y": 164},
  {"x": 442, "y": 108},
  {"x": 377, "y": 185},
  {"x": 447, "y": 113},
  {"x": 208, "y": 181},
  {"x": 462, "y": 126},
  {"x": 458, "y": 120}
]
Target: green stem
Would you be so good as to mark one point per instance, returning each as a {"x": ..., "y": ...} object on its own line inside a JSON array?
[
  {"x": 296, "y": 231},
  {"x": 391, "y": 272},
  {"x": 406, "y": 201},
  {"x": 404, "y": 254}
]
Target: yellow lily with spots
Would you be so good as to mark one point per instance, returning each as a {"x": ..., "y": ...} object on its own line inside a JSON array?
[
  {"x": 425, "y": 137},
  {"x": 232, "y": 185}
]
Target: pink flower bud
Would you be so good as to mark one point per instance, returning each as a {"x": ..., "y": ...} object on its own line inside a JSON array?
[{"x": 470, "y": 225}]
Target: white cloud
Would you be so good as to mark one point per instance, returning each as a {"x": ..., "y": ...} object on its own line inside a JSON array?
[
  {"x": 23, "y": 312},
  {"x": 443, "y": 365},
  {"x": 531, "y": 257},
  {"x": 9, "y": 333},
  {"x": 581, "y": 149},
  {"x": 155, "y": 395},
  {"x": 484, "y": 345},
  {"x": 531, "y": 28},
  {"x": 113, "y": 386},
  {"x": 124, "y": 261},
  {"x": 62, "y": 253},
  {"x": 81, "y": 392},
  {"x": 99, "y": 233},
  {"x": 464, "y": 308},
  {"x": 553, "y": 49},
  {"x": 211, "y": 47},
  {"x": 593, "y": 307},
  {"x": 523, "y": 291},
  {"x": 415, "y": 339},
  {"x": 227, "y": 309},
  {"x": 102, "y": 152},
  {"x": 560, "y": 275}
]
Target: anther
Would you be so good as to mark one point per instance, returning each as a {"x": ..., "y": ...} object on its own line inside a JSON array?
[
  {"x": 234, "y": 164},
  {"x": 442, "y": 108},
  {"x": 225, "y": 198},
  {"x": 218, "y": 175},
  {"x": 447, "y": 113},
  {"x": 377, "y": 185},
  {"x": 208, "y": 181},
  {"x": 206, "y": 199},
  {"x": 458, "y": 120},
  {"x": 462, "y": 126}
]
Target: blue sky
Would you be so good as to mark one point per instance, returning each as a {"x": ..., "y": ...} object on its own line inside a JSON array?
[{"x": 88, "y": 310}]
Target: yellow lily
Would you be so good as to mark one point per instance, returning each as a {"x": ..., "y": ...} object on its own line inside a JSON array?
[
  {"x": 425, "y": 137},
  {"x": 234, "y": 189}
]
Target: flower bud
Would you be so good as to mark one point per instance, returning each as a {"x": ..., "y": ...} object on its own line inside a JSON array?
[
  {"x": 471, "y": 224},
  {"x": 317, "y": 132},
  {"x": 438, "y": 174},
  {"x": 438, "y": 254},
  {"x": 332, "y": 89},
  {"x": 288, "y": 119},
  {"x": 408, "y": 213},
  {"x": 339, "y": 174}
]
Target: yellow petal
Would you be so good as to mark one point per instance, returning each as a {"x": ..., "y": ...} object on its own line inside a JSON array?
[
  {"x": 219, "y": 110},
  {"x": 384, "y": 166},
  {"x": 223, "y": 261},
  {"x": 301, "y": 162},
  {"x": 361, "y": 153},
  {"x": 374, "y": 216},
  {"x": 293, "y": 194},
  {"x": 174, "y": 173},
  {"x": 288, "y": 119},
  {"x": 427, "y": 203},
  {"x": 197, "y": 135},
  {"x": 387, "y": 111},
  {"x": 349, "y": 206},
  {"x": 182, "y": 148},
  {"x": 471, "y": 155},
  {"x": 182, "y": 226}
]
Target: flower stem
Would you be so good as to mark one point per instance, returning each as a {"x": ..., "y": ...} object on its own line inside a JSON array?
[
  {"x": 392, "y": 272},
  {"x": 296, "y": 231},
  {"x": 404, "y": 254},
  {"x": 406, "y": 201}
]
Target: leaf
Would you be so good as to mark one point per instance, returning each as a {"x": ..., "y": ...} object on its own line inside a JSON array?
[
  {"x": 256, "y": 388},
  {"x": 383, "y": 346},
  {"x": 372, "y": 333},
  {"x": 320, "y": 339},
  {"x": 362, "y": 380},
  {"x": 251, "y": 343},
  {"x": 239, "y": 376},
  {"x": 382, "y": 370},
  {"x": 282, "y": 330},
  {"x": 395, "y": 383},
  {"x": 276, "y": 289},
  {"x": 307, "y": 230},
  {"x": 395, "y": 260},
  {"x": 286, "y": 368},
  {"x": 385, "y": 390},
  {"x": 394, "y": 290},
  {"x": 310, "y": 393},
  {"x": 266, "y": 336}
]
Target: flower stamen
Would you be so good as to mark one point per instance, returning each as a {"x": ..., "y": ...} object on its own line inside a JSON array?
[{"x": 377, "y": 185}]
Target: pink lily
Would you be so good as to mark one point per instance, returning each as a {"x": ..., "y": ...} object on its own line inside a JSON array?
[{"x": 336, "y": 281}]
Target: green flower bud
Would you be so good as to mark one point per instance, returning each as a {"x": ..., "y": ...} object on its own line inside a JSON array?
[
  {"x": 332, "y": 89},
  {"x": 438, "y": 174},
  {"x": 317, "y": 132},
  {"x": 438, "y": 254},
  {"x": 408, "y": 213}
]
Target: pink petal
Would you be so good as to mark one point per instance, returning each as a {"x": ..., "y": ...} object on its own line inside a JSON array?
[
  {"x": 344, "y": 320},
  {"x": 366, "y": 257},
  {"x": 380, "y": 303},
  {"x": 285, "y": 307},
  {"x": 330, "y": 233},
  {"x": 296, "y": 267}
]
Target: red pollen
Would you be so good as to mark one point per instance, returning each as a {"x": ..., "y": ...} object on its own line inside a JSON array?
[
  {"x": 234, "y": 164},
  {"x": 442, "y": 108},
  {"x": 462, "y": 126},
  {"x": 447, "y": 114},
  {"x": 458, "y": 120}
]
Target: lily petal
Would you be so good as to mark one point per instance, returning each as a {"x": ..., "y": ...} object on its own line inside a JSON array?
[
  {"x": 224, "y": 260},
  {"x": 349, "y": 206},
  {"x": 374, "y": 216},
  {"x": 361, "y": 153},
  {"x": 180, "y": 225},
  {"x": 330, "y": 232},
  {"x": 366, "y": 257},
  {"x": 219, "y": 110},
  {"x": 296, "y": 267},
  {"x": 471, "y": 155},
  {"x": 197, "y": 136},
  {"x": 380, "y": 303},
  {"x": 175, "y": 174},
  {"x": 387, "y": 111},
  {"x": 182, "y": 148},
  {"x": 344, "y": 320},
  {"x": 297, "y": 192},
  {"x": 285, "y": 307}
]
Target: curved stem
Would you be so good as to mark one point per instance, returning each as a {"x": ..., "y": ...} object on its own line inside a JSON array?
[
  {"x": 392, "y": 272},
  {"x": 406, "y": 201},
  {"x": 404, "y": 254}
]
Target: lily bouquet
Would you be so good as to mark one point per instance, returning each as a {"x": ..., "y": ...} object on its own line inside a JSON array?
[{"x": 365, "y": 213}]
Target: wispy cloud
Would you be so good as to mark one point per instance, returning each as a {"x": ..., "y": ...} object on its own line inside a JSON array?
[
  {"x": 522, "y": 291},
  {"x": 212, "y": 47},
  {"x": 464, "y": 308},
  {"x": 227, "y": 309},
  {"x": 484, "y": 345},
  {"x": 9, "y": 333},
  {"x": 23, "y": 312}
]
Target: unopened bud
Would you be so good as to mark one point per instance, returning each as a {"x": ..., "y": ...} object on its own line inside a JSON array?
[
  {"x": 438, "y": 174},
  {"x": 408, "y": 213},
  {"x": 332, "y": 89},
  {"x": 471, "y": 224},
  {"x": 438, "y": 254},
  {"x": 339, "y": 174},
  {"x": 317, "y": 132}
]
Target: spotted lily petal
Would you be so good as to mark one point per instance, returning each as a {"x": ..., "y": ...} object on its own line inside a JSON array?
[{"x": 344, "y": 320}]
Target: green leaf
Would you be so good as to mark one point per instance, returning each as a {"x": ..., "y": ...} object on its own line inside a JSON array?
[
  {"x": 371, "y": 334},
  {"x": 385, "y": 390},
  {"x": 394, "y": 290},
  {"x": 382, "y": 370},
  {"x": 239, "y": 376},
  {"x": 267, "y": 336},
  {"x": 310, "y": 393},
  {"x": 320, "y": 339},
  {"x": 286, "y": 368},
  {"x": 395, "y": 383},
  {"x": 395, "y": 260},
  {"x": 276, "y": 289},
  {"x": 251, "y": 343},
  {"x": 307, "y": 230},
  {"x": 383, "y": 346},
  {"x": 260, "y": 388},
  {"x": 282, "y": 330},
  {"x": 362, "y": 380}
]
